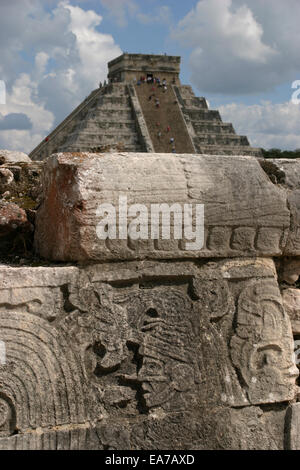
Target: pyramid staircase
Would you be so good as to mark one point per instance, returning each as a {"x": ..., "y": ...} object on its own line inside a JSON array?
[{"x": 167, "y": 115}]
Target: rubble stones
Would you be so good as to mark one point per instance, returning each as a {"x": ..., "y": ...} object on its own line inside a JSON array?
[
  {"x": 12, "y": 219},
  {"x": 12, "y": 156}
]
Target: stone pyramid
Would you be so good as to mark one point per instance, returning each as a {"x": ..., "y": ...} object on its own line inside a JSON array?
[{"x": 135, "y": 113}]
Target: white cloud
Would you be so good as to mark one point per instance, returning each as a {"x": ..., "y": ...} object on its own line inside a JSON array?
[
  {"x": 123, "y": 10},
  {"x": 18, "y": 121},
  {"x": 69, "y": 57},
  {"x": 41, "y": 60},
  {"x": 120, "y": 9},
  {"x": 21, "y": 100},
  {"x": 237, "y": 27},
  {"x": 162, "y": 14},
  {"x": 241, "y": 46},
  {"x": 95, "y": 49},
  {"x": 80, "y": 64},
  {"x": 267, "y": 125}
]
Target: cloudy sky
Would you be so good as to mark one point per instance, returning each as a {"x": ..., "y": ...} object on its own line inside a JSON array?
[{"x": 242, "y": 55}]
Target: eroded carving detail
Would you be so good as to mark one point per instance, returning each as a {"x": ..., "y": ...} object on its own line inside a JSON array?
[
  {"x": 7, "y": 416},
  {"x": 42, "y": 376},
  {"x": 262, "y": 348},
  {"x": 214, "y": 295}
]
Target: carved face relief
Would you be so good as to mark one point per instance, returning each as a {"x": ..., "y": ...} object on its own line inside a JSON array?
[
  {"x": 178, "y": 347},
  {"x": 262, "y": 349},
  {"x": 160, "y": 376}
]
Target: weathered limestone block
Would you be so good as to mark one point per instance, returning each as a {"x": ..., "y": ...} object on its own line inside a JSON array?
[
  {"x": 40, "y": 291},
  {"x": 245, "y": 214},
  {"x": 42, "y": 384},
  {"x": 151, "y": 355}
]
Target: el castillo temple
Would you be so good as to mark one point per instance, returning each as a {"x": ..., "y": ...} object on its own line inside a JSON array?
[{"x": 149, "y": 278}]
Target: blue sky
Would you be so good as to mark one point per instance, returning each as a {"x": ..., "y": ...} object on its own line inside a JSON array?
[{"x": 242, "y": 55}]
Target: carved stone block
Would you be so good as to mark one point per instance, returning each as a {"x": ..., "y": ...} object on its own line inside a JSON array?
[
  {"x": 152, "y": 355},
  {"x": 245, "y": 214}
]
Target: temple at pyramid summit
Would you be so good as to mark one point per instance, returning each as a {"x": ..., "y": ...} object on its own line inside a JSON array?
[{"x": 143, "y": 107}]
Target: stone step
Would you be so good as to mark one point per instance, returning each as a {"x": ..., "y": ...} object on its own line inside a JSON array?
[
  {"x": 96, "y": 138},
  {"x": 185, "y": 91},
  {"x": 102, "y": 147},
  {"x": 122, "y": 114},
  {"x": 218, "y": 139},
  {"x": 202, "y": 114},
  {"x": 195, "y": 103},
  {"x": 106, "y": 127},
  {"x": 201, "y": 127},
  {"x": 116, "y": 89},
  {"x": 86, "y": 134},
  {"x": 227, "y": 150},
  {"x": 113, "y": 101}
]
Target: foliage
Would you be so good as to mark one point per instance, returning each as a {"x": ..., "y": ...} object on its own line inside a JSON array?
[{"x": 277, "y": 153}]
